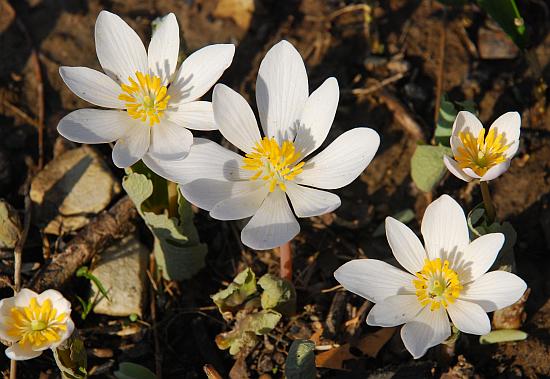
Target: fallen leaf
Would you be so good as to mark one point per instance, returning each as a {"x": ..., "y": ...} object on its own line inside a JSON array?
[
  {"x": 239, "y": 11},
  {"x": 369, "y": 345}
]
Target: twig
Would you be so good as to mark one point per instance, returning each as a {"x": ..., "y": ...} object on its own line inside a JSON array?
[
  {"x": 441, "y": 65},
  {"x": 105, "y": 228},
  {"x": 401, "y": 114},
  {"x": 40, "y": 101},
  {"x": 18, "y": 113},
  {"x": 211, "y": 372},
  {"x": 381, "y": 84}
]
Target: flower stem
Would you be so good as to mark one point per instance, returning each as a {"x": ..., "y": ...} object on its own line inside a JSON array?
[
  {"x": 172, "y": 199},
  {"x": 487, "y": 202},
  {"x": 285, "y": 253}
]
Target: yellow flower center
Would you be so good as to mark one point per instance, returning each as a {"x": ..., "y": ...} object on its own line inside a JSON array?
[
  {"x": 273, "y": 163},
  {"x": 146, "y": 98},
  {"x": 37, "y": 324},
  {"x": 436, "y": 284},
  {"x": 481, "y": 153}
]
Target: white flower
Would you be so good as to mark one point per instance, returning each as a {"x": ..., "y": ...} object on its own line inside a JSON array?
[
  {"x": 477, "y": 156},
  {"x": 34, "y": 323},
  {"x": 447, "y": 278},
  {"x": 295, "y": 124},
  {"x": 153, "y": 107}
]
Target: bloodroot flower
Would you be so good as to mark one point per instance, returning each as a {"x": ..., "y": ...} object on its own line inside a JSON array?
[
  {"x": 480, "y": 156},
  {"x": 446, "y": 278},
  {"x": 34, "y": 323},
  {"x": 275, "y": 166},
  {"x": 154, "y": 106}
]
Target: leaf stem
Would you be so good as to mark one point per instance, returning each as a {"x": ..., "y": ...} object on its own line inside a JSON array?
[
  {"x": 487, "y": 202},
  {"x": 285, "y": 253},
  {"x": 172, "y": 198}
]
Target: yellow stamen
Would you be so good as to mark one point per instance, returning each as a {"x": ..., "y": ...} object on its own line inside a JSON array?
[
  {"x": 36, "y": 323},
  {"x": 145, "y": 99},
  {"x": 436, "y": 284},
  {"x": 481, "y": 153},
  {"x": 272, "y": 163}
]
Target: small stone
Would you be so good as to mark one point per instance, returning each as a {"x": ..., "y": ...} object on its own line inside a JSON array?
[
  {"x": 495, "y": 44},
  {"x": 70, "y": 189},
  {"x": 121, "y": 271}
]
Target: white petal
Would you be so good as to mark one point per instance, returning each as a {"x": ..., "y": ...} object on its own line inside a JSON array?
[
  {"x": 66, "y": 334},
  {"x": 453, "y": 167},
  {"x": 508, "y": 124},
  {"x": 317, "y": 117},
  {"x": 206, "y": 160},
  {"x": 93, "y": 86},
  {"x": 394, "y": 310},
  {"x": 19, "y": 352},
  {"x": 59, "y": 302},
  {"x": 495, "y": 171},
  {"x": 241, "y": 206},
  {"x": 405, "y": 245},
  {"x": 23, "y": 297},
  {"x": 428, "y": 329},
  {"x": 235, "y": 118},
  {"x": 342, "y": 161},
  {"x": 132, "y": 147},
  {"x": 273, "y": 224},
  {"x": 95, "y": 125},
  {"x": 444, "y": 228},
  {"x": 163, "y": 50},
  {"x": 469, "y": 317},
  {"x": 478, "y": 257},
  {"x": 374, "y": 280},
  {"x": 169, "y": 141},
  {"x": 468, "y": 171},
  {"x": 199, "y": 72},
  {"x": 512, "y": 150},
  {"x": 465, "y": 122},
  {"x": 206, "y": 193},
  {"x": 494, "y": 290},
  {"x": 196, "y": 115},
  {"x": 119, "y": 49},
  {"x": 281, "y": 91},
  {"x": 309, "y": 202}
]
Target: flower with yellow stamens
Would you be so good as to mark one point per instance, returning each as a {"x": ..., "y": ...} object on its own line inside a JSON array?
[
  {"x": 152, "y": 104},
  {"x": 445, "y": 278},
  {"x": 34, "y": 322},
  {"x": 480, "y": 155},
  {"x": 278, "y": 166}
]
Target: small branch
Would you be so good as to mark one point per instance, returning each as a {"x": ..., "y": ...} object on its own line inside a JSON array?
[
  {"x": 441, "y": 66},
  {"x": 487, "y": 202},
  {"x": 21, "y": 115},
  {"x": 40, "y": 104},
  {"x": 285, "y": 253},
  {"x": 401, "y": 114},
  {"x": 379, "y": 85},
  {"x": 105, "y": 228}
]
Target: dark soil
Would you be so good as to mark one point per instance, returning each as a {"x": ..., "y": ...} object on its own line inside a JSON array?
[{"x": 399, "y": 36}]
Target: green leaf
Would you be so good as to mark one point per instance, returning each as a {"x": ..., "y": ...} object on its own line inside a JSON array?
[
  {"x": 504, "y": 335},
  {"x": 427, "y": 167},
  {"x": 242, "y": 287},
  {"x": 178, "y": 251},
  {"x": 129, "y": 370},
  {"x": 507, "y": 16},
  {"x": 71, "y": 358},
  {"x": 300, "y": 363},
  {"x": 278, "y": 294},
  {"x": 405, "y": 216},
  {"x": 242, "y": 338}
]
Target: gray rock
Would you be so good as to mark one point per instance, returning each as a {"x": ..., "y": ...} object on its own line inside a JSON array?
[
  {"x": 122, "y": 272},
  {"x": 73, "y": 187}
]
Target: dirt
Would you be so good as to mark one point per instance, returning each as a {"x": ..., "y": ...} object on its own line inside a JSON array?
[{"x": 360, "y": 46}]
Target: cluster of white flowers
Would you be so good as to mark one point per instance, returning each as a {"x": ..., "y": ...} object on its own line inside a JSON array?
[{"x": 277, "y": 177}]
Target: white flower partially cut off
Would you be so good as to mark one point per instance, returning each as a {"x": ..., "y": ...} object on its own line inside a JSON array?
[
  {"x": 294, "y": 124},
  {"x": 480, "y": 156},
  {"x": 447, "y": 277},
  {"x": 153, "y": 105},
  {"x": 34, "y": 323}
]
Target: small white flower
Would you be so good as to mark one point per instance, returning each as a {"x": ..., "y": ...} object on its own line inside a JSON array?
[
  {"x": 153, "y": 106},
  {"x": 477, "y": 156},
  {"x": 447, "y": 278},
  {"x": 34, "y": 323},
  {"x": 295, "y": 124}
]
